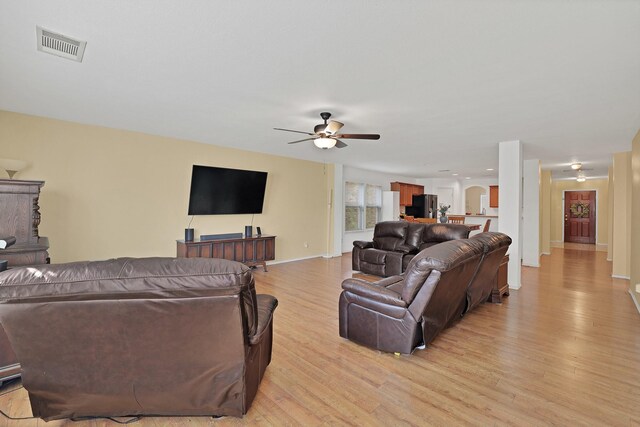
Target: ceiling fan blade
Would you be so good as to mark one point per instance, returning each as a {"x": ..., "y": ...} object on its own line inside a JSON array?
[
  {"x": 296, "y": 131},
  {"x": 300, "y": 140},
  {"x": 333, "y": 127},
  {"x": 340, "y": 144},
  {"x": 358, "y": 136}
]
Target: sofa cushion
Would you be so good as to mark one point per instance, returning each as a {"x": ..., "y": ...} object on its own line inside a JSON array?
[
  {"x": 415, "y": 231},
  {"x": 389, "y": 234},
  {"x": 444, "y": 232},
  {"x": 373, "y": 256}
]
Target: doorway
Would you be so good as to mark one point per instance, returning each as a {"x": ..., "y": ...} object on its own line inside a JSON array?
[{"x": 580, "y": 217}]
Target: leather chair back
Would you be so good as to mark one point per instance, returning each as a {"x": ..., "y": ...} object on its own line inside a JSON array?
[
  {"x": 438, "y": 278},
  {"x": 436, "y": 233},
  {"x": 495, "y": 248},
  {"x": 159, "y": 336},
  {"x": 388, "y": 235}
]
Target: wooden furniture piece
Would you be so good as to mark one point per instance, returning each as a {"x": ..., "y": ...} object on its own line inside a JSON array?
[
  {"x": 493, "y": 196},
  {"x": 472, "y": 227},
  {"x": 487, "y": 225},
  {"x": 426, "y": 220},
  {"x": 252, "y": 251},
  {"x": 456, "y": 219},
  {"x": 20, "y": 217},
  {"x": 501, "y": 285},
  {"x": 407, "y": 191}
]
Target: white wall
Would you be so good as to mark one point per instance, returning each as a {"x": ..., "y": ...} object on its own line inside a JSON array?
[
  {"x": 431, "y": 186},
  {"x": 351, "y": 174},
  {"x": 531, "y": 214},
  {"x": 510, "y": 202}
]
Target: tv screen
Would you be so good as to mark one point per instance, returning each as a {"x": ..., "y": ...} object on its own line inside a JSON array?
[{"x": 220, "y": 191}]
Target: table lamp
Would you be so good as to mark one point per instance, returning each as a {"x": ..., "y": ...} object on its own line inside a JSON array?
[{"x": 12, "y": 166}]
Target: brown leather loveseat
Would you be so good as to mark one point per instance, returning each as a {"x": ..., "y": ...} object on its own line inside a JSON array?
[
  {"x": 156, "y": 336},
  {"x": 395, "y": 243},
  {"x": 441, "y": 283}
]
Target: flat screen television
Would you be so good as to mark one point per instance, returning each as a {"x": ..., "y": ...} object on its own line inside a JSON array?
[{"x": 221, "y": 191}]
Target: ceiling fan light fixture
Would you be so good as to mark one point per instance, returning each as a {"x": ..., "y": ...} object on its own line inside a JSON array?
[
  {"x": 575, "y": 166},
  {"x": 333, "y": 127},
  {"x": 581, "y": 179},
  {"x": 324, "y": 143}
]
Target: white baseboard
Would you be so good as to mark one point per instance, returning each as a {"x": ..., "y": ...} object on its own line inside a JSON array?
[
  {"x": 618, "y": 276},
  {"x": 531, "y": 265},
  {"x": 515, "y": 287},
  {"x": 602, "y": 244},
  {"x": 545, "y": 253},
  {"x": 556, "y": 241},
  {"x": 635, "y": 300},
  {"x": 329, "y": 256},
  {"x": 284, "y": 261}
]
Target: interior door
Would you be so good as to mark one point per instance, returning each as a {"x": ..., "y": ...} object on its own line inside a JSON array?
[{"x": 580, "y": 216}]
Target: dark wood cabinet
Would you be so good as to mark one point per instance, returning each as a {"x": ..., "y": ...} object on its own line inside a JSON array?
[
  {"x": 20, "y": 217},
  {"x": 254, "y": 250}
]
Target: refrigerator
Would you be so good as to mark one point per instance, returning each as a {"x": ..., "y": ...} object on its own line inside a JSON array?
[{"x": 423, "y": 206}]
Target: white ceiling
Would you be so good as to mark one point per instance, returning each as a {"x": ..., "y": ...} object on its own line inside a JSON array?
[{"x": 443, "y": 82}]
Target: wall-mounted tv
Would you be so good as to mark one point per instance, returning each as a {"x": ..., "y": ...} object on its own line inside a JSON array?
[{"x": 221, "y": 191}]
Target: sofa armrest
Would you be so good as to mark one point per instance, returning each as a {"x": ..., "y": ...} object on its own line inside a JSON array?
[
  {"x": 266, "y": 306},
  {"x": 406, "y": 249},
  {"x": 362, "y": 244},
  {"x": 373, "y": 292}
]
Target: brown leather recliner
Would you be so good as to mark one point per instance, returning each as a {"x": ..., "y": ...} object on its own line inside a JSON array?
[
  {"x": 395, "y": 243},
  {"x": 158, "y": 336},
  {"x": 399, "y": 313},
  {"x": 495, "y": 248},
  {"x": 440, "y": 285}
]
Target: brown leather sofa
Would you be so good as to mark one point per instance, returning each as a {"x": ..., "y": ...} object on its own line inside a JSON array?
[
  {"x": 155, "y": 336},
  {"x": 395, "y": 243},
  {"x": 441, "y": 283}
]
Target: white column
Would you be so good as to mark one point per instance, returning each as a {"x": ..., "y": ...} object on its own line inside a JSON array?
[
  {"x": 531, "y": 213},
  {"x": 510, "y": 204},
  {"x": 338, "y": 209}
]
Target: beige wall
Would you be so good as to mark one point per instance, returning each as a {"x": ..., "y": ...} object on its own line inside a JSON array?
[
  {"x": 545, "y": 212},
  {"x": 635, "y": 214},
  {"x": 621, "y": 214},
  {"x": 610, "y": 210},
  {"x": 602, "y": 200},
  {"x": 112, "y": 193}
]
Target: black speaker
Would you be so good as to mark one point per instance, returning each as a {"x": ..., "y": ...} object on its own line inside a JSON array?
[
  {"x": 248, "y": 231},
  {"x": 259, "y": 231},
  {"x": 188, "y": 234},
  {"x": 3, "y": 264}
]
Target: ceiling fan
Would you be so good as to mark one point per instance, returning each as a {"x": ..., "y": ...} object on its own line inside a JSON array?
[{"x": 325, "y": 135}]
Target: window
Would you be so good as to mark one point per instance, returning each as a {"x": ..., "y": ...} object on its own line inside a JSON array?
[{"x": 362, "y": 206}]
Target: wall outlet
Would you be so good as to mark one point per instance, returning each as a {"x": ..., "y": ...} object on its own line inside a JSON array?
[{"x": 306, "y": 244}]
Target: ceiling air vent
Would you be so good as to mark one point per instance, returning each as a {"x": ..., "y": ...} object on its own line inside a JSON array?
[{"x": 59, "y": 45}]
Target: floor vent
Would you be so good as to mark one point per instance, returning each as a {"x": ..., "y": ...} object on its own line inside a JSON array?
[{"x": 59, "y": 45}]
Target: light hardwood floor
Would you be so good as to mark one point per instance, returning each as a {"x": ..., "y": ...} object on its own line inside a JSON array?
[{"x": 562, "y": 350}]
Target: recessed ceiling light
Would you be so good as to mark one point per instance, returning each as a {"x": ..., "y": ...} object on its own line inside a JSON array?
[
  {"x": 455, "y": 174},
  {"x": 576, "y": 166},
  {"x": 467, "y": 177},
  {"x": 490, "y": 169}
]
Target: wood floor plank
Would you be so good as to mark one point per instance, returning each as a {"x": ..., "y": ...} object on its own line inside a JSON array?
[{"x": 562, "y": 350}]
